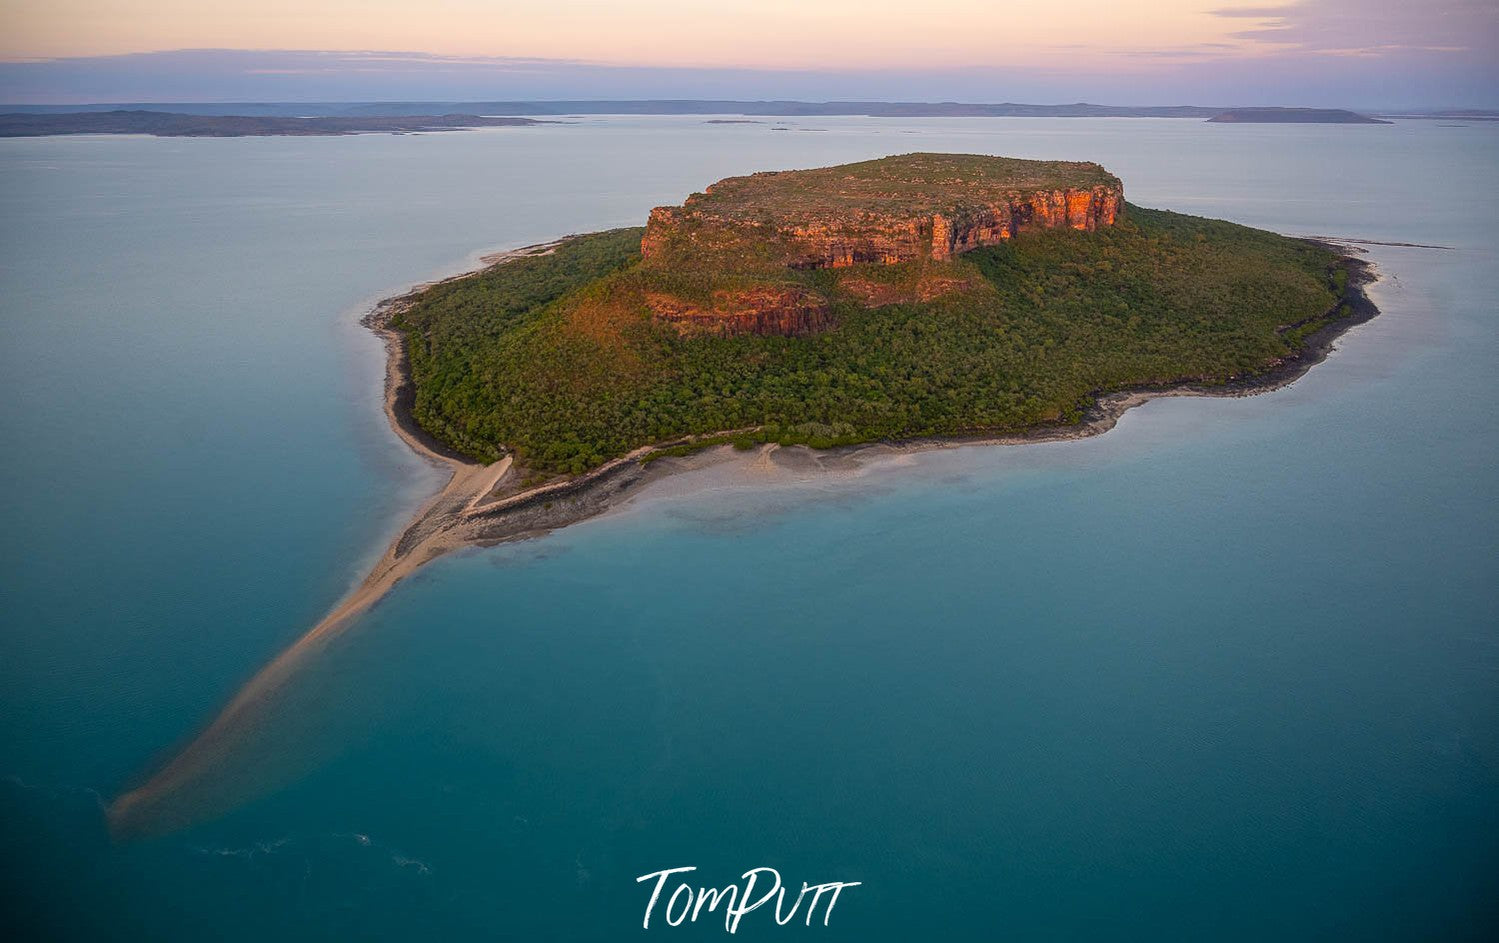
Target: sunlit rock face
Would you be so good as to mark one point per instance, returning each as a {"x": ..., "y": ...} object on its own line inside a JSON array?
[
  {"x": 909, "y": 208},
  {"x": 758, "y": 310}
]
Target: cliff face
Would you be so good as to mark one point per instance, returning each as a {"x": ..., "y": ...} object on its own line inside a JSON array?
[
  {"x": 790, "y": 312},
  {"x": 918, "y": 207},
  {"x": 837, "y": 241}
]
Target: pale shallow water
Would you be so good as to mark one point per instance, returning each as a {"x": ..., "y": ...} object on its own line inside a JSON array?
[{"x": 1230, "y": 671}]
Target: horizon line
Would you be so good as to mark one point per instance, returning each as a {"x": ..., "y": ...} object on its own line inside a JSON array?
[{"x": 593, "y": 102}]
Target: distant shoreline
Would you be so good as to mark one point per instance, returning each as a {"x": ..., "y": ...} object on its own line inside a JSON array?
[
  {"x": 777, "y": 109},
  {"x": 177, "y": 125},
  {"x": 339, "y": 119}
]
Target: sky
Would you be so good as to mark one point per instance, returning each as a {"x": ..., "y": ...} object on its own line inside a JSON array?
[{"x": 1354, "y": 53}]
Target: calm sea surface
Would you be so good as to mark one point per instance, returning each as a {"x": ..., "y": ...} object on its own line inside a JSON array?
[{"x": 1229, "y": 672}]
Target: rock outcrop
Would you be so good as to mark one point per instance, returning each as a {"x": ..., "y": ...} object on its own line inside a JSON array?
[
  {"x": 771, "y": 309},
  {"x": 887, "y": 239},
  {"x": 884, "y": 212},
  {"x": 916, "y": 207}
]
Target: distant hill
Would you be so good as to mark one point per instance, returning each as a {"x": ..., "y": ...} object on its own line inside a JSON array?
[
  {"x": 1294, "y": 116},
  {"x": 237, "y": 119},
  {"x": 166, "y": 124},
  {"x": 875, "y": 109},
  {"x": 776, "y": 109}
]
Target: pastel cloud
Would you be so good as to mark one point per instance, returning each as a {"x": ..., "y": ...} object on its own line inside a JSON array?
[
  {"x": 1348, "y": 53},
  {"x": 1375, "y": 27},
  {"x": 723, "y": 33}
]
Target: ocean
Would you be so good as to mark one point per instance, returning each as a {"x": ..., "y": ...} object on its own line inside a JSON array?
[{"x": 1229, "y": 671}]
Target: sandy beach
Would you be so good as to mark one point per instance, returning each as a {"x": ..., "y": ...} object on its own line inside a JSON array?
[{"x": 483, "y": 505}]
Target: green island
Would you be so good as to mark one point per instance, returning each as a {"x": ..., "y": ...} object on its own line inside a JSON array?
[
  {"x": 904, "y": 302},
  {"x": 927, "y": 295}
]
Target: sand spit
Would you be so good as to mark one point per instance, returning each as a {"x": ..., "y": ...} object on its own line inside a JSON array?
[{"x": 191, "y": 787}]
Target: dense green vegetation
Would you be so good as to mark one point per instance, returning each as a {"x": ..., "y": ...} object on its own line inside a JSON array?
[{"x": 555, "y": 357}]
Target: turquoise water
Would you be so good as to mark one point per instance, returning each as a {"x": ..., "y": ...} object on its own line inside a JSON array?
[{"x": 1228, "y": 672}]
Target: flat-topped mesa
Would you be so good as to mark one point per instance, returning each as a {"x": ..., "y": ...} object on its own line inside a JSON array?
[{"x": 887, "y": 211}]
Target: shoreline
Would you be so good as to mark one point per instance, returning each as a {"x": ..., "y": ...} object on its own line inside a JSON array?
[
  {"x": 464, "y": 514},
  {"x": 539, "y": 510},
  {"x": 400, "y": 390}
]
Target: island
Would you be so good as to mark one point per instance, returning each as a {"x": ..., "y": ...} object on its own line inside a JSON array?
[
  {"x": 1294, "y": 116},
  {"x": 911, "y": 297},
  {"x": 805, "y": 320},
  {"x": 168, "y": 124}
]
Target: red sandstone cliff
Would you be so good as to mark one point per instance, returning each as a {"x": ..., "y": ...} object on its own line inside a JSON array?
[
  {"x": 900, "y": 209},
  {"x": 787, "y": 311},
  {"x": 889, "y": 238}
]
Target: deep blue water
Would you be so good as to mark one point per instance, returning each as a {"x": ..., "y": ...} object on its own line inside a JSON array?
[{"x": 1228, "y": 672}]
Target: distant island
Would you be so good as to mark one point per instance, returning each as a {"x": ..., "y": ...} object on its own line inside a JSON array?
[
  {"x": 1294, "y": 116},
  {"x": 168, "y": 124},
  {"x": 781, "y": 108},
  {"x": 653, "y": 106},
  {"x": 806, "y": 321},
  {"x": 238, "y": 119}
]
